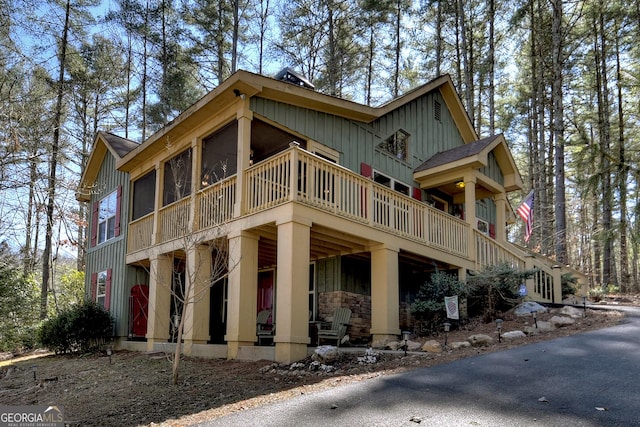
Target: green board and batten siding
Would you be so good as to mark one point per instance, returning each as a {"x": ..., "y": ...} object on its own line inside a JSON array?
[
  {"x": 111, "y": 254},
  {"x": 358, "y": 141}
]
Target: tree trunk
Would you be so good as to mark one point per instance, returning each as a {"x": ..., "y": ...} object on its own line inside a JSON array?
[
  {"x": 491, "y": 60},
  {"x": 558, "y": 134},
  {"x": 53, "y": 165},
  {"x": 622, "y": 179},
  {"x": 605, "y": 143}
]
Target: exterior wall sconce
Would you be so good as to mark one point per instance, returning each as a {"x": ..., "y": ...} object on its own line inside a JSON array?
[
  {"x": 460, "y": 184},
  {"x": 534, "y": 313},
  {"x": 405, "y": 336},
  {"x": 447, "y": 328},
  {"x": 499, "y": 326}
]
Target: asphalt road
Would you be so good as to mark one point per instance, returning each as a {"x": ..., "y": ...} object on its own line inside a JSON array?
[{"x": 591, "y": 379}]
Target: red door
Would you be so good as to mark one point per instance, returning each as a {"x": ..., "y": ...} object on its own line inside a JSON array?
[
  {"x": 139, "y": 309},
  {"x": 266, "y": 291}
]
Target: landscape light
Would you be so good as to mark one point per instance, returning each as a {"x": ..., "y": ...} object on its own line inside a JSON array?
[
  {"x": 499, "y": 326},
  {"x": 447, "y": 327}
]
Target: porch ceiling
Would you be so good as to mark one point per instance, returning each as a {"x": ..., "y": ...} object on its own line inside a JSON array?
[{"x": 324, "y": 242}]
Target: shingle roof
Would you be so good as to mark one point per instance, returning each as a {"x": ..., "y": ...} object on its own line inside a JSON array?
[
  {"x": 456, "y": 153},
  {"x": 120, "y": 145}
]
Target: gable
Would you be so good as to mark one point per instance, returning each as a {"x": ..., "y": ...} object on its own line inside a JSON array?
[{"x": 105, "y": 146}]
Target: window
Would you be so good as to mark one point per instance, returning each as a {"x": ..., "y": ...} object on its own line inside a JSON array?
[
  {"x": 144, "y": 195},
  {"x": 177, "y": 178},
  {"x": 219, "y": 155},
  {"x": 391, "y": 183},
  {"x": 105, "y": 218},
  {"x": 107, "y": 211},
  {"x": 483, "y": 226},
  {"x": 101, "y": 288},
  {"x": 396, "y": 145}
]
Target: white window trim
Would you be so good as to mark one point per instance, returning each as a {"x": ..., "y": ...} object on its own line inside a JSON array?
[
  {"x": 392, "y": 182},
  {"x": 105, "y": 237},
  {"x": 101, "y": 280}
]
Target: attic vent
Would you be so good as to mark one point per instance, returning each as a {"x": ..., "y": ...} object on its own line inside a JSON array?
[
  {"x": 437, "y": 110},
  {"x": 290, "y": 76}
]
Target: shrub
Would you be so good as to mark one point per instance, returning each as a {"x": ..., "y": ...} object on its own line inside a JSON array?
[
  {"x": 428, "y": 306},
  {"x": 495, "y": 289},
  {"x": 84, "y": 327},
  {"x": 569, "y": 285}
]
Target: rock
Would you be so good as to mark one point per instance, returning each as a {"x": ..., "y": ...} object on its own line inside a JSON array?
[
  {"x": 512, "y": 335},
  {"x": 383, "y": 343},
  {"x": 572, "y": 299},
  {"x": 393, "y": 345},
  {"x": 413, "y": 345},
  {"x": 480, "y": 340},
  {"x": 559, "y": 321},
  {"x": 459, "y": 344},
  {"x": 525, "y": 309},
  {"x": 325, "y": 354},
  {"x": 432, "y": 346},
  {"x": 572, "y": 312},
  {"x": 543, "y": 326}
]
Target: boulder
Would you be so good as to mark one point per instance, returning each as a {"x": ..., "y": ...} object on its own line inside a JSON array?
[
  {"x": 432, "y": 346},
  {"x": 512, "y": 335},
  {"x": 413, "y": 345},
  {"x": 525, "y": 309},
  {"x": 560, "y": 321},
  {"x": 393, "y": 345},
  {"x": 572, "y": 312},
  {"x": 480, "y": 340},
  {"x": 325, "y": 354},
  {"x": 459, "y": 344},
  {"x": 543, "y": 326}
]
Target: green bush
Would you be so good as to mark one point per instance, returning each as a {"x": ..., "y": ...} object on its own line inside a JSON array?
[
  {"x": 428, "y": 306},
  {"x": 494, "y": 290},
  {"x": 84, "y": 327},
  {"x": 569, "y": 285}
]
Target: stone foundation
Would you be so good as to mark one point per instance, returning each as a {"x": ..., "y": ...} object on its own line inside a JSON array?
[{"x": 360, "y": 305}]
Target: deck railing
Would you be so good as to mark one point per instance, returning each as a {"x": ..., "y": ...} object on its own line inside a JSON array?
[
  {"x": 491, "y": 252},
  {"x": 174, "y": 220},
  {"x": 297, "y": 175},
  {"x": 215, "y": 204},
  {"x": 140, "y": 233}
]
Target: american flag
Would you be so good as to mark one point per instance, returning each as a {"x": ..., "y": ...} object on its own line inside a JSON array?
[{"x": 526, "y": 213}]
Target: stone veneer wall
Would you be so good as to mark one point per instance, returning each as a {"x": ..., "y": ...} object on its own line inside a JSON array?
[{"x": 360, "y": 305}]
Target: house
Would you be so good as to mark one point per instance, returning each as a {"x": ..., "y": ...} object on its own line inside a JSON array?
[{"x": 313, "y": 202}]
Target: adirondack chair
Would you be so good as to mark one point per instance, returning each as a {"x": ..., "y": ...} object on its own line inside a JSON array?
[
  {"x": 263, "y": 329},
  {"x": 337, "y": 328}
]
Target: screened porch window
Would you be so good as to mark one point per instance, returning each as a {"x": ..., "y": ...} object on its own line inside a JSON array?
[
  {"x": 219, "y": 154},
  {"x": 177, "y": 178},
  {"x": 144, "y": 195}
]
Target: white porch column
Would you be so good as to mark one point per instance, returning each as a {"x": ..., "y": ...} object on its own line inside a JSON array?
[
  {"x": 244, "y": 117},
  {"x": 196, "y": 322},
  {"x": 501, "y": 217},
  {"x": 160, "y": 276},
  {"x": 385, "y": 294},
  {"x": 292, "y": 291},
  {"x": 470, "y": 212},
  {"x": 243, "y": 290}
]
